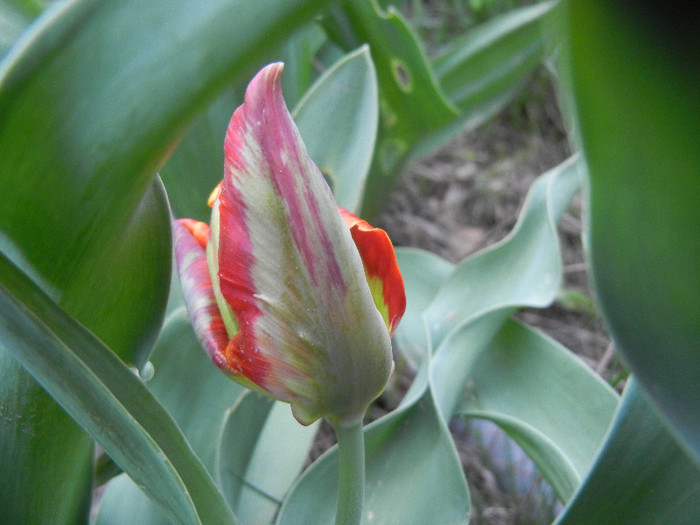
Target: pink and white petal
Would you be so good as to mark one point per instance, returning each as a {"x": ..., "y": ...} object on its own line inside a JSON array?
[
  {"x": 193, "y": 272},
  {"x": 288, "y": 268}
]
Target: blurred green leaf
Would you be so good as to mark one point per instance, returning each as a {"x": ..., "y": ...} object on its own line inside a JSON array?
[
  {"x": 48, "y": 460},
  {"x": 481, "y": 71},
  {"x": 91, "y": 105},
  {"x": 39, "y": 444},
  {"x": 641, "y": 476},
  {"x": 14, "y": 19},
  {"x": 299, "y": 54},
  {"x": 107, "y": 399},
  {"x": 197, "y": 165},
  {"x": 196, "y": 394},
  {"x": 532, "y": 388},
  {"x": 636, "y": 79},
  {"x": 494, "y": 55},
  {"x": 262, "y": 450},
  {"x": 337, "y": 118},
  {"x": 92, "y": 97}
]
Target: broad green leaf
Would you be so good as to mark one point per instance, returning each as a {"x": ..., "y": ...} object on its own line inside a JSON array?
[
  {"x": 106, "y": 399},
  {"x": 92, "y": 98},
  {"x": 636, "y": 77},
  {"x": 337, "y": 118},
  {"x": 423, "y": 274},
  {"x": 413, "y": 474},
  {"x": 48, "y": 460},
  {"x": 532, "y": 388},
  {"x": 523, "y": 269},
  {"x": 41, "y": 451},
  {"x": 91, "y": 105},
  {"x": 641, "y": 476},
  {"x": 262, "y": 450},
  {"x": 196, "y": 394}
]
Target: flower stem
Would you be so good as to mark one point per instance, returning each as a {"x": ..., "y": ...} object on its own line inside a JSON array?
[{"x": 351, "y": 486}]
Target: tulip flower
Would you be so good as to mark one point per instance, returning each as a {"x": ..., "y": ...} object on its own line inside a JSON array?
[{"x": 289, "y": 294}]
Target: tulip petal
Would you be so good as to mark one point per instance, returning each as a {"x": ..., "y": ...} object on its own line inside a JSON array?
[
  {"x": 381, "y": 269},
  {"x": 195, "y": 280},
  {"x": 310, "y": 332}
]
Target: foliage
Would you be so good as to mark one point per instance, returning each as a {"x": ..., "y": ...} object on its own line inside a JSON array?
[{"x": 100, "y": 100}]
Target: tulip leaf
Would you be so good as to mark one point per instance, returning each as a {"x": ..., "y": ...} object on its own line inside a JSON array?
[
  {"x": 532, "y": 388},
  {"x": 256, "y": 467},
  {"x": 347, "y": 94},
  {"x": 92, "y": 96},
  {"x": 411, "y": 103},
  {"x": 124, "y": 502},
  {"x": 299, "y": 54},
  {"x": 523, "y": 269},
  {"x": 14, "y": 18},
  {"x": 641, "y": 476},
  {"x": 414, "y": 475},
  {"x": 106, "y": 399},
  {"x": 494, "y": 55},
  {"x": 481, "y": 73},
  {"x": 92, "y": 102},
  {"x": 51, "y": 457},
  {"x": 196, "y": 394},
  {"x": 423, "y": 274},
  {"x": 641, "y": 146},
  {"x": 31, "y": 463},
  {"x": 197, "y": 165},
  {"x": 484, "y": 69}
]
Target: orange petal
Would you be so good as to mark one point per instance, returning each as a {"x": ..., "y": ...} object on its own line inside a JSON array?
[{"x": 382, "y": 270}]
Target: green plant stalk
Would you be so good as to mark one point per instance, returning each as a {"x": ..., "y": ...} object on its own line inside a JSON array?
[{"x": 351, "y": 485}]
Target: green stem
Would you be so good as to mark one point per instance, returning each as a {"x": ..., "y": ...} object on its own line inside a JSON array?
[{"x": 351, "y": 485}]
